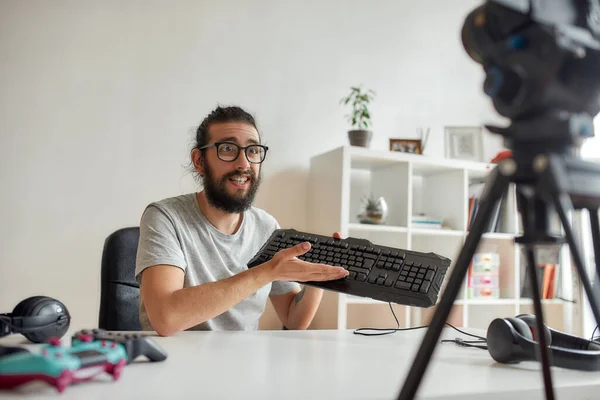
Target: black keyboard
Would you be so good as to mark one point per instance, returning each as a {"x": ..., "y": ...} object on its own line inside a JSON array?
[{"x": 379, "y": 272}]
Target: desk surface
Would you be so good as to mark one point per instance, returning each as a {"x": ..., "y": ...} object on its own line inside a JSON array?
[{"x": 312, "y": 364}]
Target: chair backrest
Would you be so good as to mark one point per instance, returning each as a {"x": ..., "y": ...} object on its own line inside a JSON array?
[{"x": 119, "y": 293}]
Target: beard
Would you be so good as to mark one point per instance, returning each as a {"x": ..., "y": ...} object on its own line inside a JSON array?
[{"x": 219, "y": 197}]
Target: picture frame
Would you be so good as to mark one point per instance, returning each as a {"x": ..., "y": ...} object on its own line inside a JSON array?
[
  {"x": 412, "y": 146},
  {"x": 464, "y": 142}
]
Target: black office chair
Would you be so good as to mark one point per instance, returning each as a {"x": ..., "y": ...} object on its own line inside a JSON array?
[{"x": 119, "y": 291}]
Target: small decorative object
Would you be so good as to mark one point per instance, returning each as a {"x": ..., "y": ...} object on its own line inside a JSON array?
[
  {"x": 360, "y": 117},
  {"x": 413, "y": 146},
  {"x": 373, "y": 211},
  {"x": 464, "y": 142}
]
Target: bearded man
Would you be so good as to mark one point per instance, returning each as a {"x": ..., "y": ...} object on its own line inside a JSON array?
[{"x": 194, "y": 248}]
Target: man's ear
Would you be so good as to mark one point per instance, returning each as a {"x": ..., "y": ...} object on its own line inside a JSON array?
[{"x": 198, "y": 161}]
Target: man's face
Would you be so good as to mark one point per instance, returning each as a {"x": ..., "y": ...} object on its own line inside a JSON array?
[{"x": 230, "y": 186}]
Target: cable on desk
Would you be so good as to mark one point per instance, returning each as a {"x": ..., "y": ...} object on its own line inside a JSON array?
[
  {"x": 388, "y": 331},
  {"x": 595, "y": 339}
]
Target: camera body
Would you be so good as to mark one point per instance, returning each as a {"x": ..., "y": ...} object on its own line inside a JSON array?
[{"x": 541, "y": 60}]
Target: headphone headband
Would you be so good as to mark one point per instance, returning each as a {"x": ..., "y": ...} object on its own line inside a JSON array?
[
  {"x": 27, "y": 324},
  {"x": 511, "y": 340}
]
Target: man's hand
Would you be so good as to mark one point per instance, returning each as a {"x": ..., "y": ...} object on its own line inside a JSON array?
[
  {"x": 287, "y": 267},
  {"x": 297, "y": 309}
]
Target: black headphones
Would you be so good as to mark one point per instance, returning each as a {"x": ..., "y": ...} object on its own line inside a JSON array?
[
  {"x": 38, "y": 318},
  {"x": 512, "y": 340}
]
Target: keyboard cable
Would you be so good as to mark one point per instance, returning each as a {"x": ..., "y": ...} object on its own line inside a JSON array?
[{"x": 479, "y": 343}]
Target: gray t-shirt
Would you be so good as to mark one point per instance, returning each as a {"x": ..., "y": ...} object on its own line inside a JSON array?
[{"x": 174, "y": 231}]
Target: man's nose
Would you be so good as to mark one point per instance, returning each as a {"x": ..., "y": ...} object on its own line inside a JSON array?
[{"x": 241, "y": 163}]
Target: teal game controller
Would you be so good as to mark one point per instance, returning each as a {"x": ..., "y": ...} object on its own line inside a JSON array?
[{"x": 60, "y": 366}]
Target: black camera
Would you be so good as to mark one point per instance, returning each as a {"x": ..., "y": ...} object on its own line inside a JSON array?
[{"x": 542, "y": 65}]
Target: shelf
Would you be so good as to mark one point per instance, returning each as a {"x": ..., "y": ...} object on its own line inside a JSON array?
[
  {"x": 486, "y": 302},
  {"x": 473, "y": 302},
  {"x": 411, "y": 184},
  {"x": 363, "y": 158},
  {"x": 544, "y": 301},
  {"x": 499, "y": 235},
  {"x": 362, "y": 300},
  {"x": 377, "y": 228},
  {"x": 437, "y": 232}
]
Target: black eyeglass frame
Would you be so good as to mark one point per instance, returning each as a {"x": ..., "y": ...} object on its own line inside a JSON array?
[{"x": 239, "y": 148}]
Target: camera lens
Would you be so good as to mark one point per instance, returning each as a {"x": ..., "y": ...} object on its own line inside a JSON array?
[{"x": 472, "y": 29}]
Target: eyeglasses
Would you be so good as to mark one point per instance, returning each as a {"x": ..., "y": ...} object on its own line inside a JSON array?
[{"x": 226, "y": 151}]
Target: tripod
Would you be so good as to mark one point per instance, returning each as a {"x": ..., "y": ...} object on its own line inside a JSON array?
[{"x": 545, "y": 180}]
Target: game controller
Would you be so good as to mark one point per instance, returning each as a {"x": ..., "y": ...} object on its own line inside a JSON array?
[
  {"x": 60, "y": 366},
  {"x": 135, "y": 344}
]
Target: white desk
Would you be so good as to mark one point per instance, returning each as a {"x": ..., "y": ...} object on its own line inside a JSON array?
[{"x": 314, "y": 365}]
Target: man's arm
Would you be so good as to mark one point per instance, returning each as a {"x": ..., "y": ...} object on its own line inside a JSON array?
[
  {"x": 172, "y": 308},
  {"x": 297, "y": 309}
]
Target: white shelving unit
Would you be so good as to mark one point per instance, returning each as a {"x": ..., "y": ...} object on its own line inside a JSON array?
[{"x": 413, "y": 184}]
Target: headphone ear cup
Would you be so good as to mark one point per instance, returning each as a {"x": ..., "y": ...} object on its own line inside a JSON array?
[
  {"x": 521, "y": 327},
  {"x": 37, "y": 306},
  {"x": 23, "y": 308},
  {"x": 502, "y": 342},
  {"x": 531, "y": 322}
]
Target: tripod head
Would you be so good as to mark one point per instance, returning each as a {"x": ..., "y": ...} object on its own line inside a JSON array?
[{"x": 542, "y": 65}]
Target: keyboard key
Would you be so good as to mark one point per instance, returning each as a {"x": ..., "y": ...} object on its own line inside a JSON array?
[
  {"x": 402, "y": 285},
  {"x": 429, "y": 275},
  {"x": 372, "y": 278},
  {"x": 368, "y": 264},
  {"x": 389, "y": 281},
  {"x": 425, "y": 287},
  {"x": 380, "y": 280},
  {"x": 361, "y": 277},
  {"x": 414, "y": 288},
  {"x": 357, "y": 269},
  {"x": 396, "y": 267}
]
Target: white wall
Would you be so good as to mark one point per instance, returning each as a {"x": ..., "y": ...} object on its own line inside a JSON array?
[{"x": 99, "y": 100}]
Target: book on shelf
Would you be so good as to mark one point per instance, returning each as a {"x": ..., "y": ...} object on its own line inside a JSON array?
[
  {"x": 547, "y": 278},
  {"x": 501, "y": 220},
  {"x": 426, "y": 222}
]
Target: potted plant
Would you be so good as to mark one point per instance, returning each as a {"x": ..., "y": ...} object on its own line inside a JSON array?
[{"x": 359, "y": 117}]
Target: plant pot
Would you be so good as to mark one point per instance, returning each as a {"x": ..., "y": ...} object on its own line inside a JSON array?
[{"x": 360, "y": 137}]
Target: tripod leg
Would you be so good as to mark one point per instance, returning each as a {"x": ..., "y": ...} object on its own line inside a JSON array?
[
  {"x": 562, "y": 203},
  {"x": 595, "y": 228},
  {"x": 495, "y": 187},
  {"x": 542, "y": 348}
]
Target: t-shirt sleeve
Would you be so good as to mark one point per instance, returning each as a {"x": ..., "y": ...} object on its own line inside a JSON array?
[
  {"x": 159, "y": 243},
  {"x": 282, "y": 287}
]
